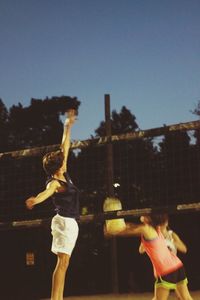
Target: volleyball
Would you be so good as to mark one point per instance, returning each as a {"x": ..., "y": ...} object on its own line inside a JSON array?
[{"x": 114, "y": 225}]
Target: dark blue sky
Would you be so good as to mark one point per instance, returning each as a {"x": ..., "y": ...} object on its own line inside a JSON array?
[{"x": 144, "y": 53}]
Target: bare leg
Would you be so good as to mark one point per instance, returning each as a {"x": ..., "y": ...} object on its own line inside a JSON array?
[
  {"x": 58, "y": 278},
  {"x": 154, "y": 296},
  {"x": 161, "y": 293},
  {"x": 183, "y": 292},
  {"x": 178, "y": 297}
]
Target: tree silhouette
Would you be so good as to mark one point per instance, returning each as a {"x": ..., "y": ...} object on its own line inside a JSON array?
[
  {"x": 3, "y": 127},
  {"x": 175, "y": 157},
  {"x": 196, "y": 112},
  {"x": 122, "y": 122},
  {"x": 130, "y": 158},
  {"x": 22, "y": 127},
  {"x": 36, "y": 125}
]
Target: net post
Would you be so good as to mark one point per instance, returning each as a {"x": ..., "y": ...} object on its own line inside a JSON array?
[{"x": 110, "y": 190}]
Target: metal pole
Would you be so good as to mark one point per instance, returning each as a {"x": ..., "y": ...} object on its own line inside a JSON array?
[
  {"x": 109, "y": 156},
  {"x": 110, "y": 189}
]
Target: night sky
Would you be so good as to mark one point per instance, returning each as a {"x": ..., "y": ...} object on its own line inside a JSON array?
[{"x": 145, "y": 54}]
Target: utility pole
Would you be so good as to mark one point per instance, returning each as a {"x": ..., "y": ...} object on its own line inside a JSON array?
[{"x": 110, "y": 189}]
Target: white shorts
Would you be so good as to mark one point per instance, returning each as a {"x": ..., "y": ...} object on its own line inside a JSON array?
[{"x": 65, "y": 232}]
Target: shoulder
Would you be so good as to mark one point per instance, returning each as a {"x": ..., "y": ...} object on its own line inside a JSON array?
[
  {"x": 144, "y": 227},
  {"x": 170, "y": 231},
  {"x": 149, "y": 232},
  {"x": 53, "y": 184}
]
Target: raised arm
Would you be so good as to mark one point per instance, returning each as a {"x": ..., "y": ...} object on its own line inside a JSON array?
[
  {"x": 65, "y": 144},
  {"x": 130, "y": 230},
  {"x": 44, "y": 195}
]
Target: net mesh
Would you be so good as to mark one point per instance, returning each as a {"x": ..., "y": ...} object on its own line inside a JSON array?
[{"x": 152, "y": 168}]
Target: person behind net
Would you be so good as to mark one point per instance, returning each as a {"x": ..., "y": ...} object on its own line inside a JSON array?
[
  {"x": 168, "y": 268},
  {"x": 173, "y": 242},
  {"x": 65, "y": 196}
]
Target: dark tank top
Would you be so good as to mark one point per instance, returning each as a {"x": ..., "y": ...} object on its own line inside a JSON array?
[{"x": 67, "y": 201}]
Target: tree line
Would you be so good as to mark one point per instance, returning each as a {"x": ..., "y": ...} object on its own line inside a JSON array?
[
  {"x": 146, "y": 171},
  {"x": 38, "y": 124}
]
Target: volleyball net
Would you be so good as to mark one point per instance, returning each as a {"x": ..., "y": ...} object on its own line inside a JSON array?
[
  {"x": 155, "y": 168},
  {"x": 151, "y": 169}
]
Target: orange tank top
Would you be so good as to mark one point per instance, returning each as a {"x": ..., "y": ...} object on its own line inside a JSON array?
[{"x": 163, "y": 260}]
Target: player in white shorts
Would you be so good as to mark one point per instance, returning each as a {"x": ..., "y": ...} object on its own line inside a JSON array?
[{"x": 65, "y": 196}]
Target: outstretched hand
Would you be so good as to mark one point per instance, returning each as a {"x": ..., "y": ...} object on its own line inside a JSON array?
[
  {"x": 70, "y": 117},
  {"x": 107, "y": 234},
  {"x": 30, "y": 202}
]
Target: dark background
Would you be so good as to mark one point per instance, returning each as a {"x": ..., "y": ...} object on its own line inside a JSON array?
[{"x": 155, "y": 171}]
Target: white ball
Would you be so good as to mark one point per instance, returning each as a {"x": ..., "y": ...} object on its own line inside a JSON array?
[{"x": 113, "y": 225}]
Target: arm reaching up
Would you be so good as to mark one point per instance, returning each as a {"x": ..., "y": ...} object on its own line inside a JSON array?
[{"x": 65, "y": 144}]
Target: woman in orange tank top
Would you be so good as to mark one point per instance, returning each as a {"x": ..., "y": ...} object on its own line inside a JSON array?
[{"x": 168, "y": 268}]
